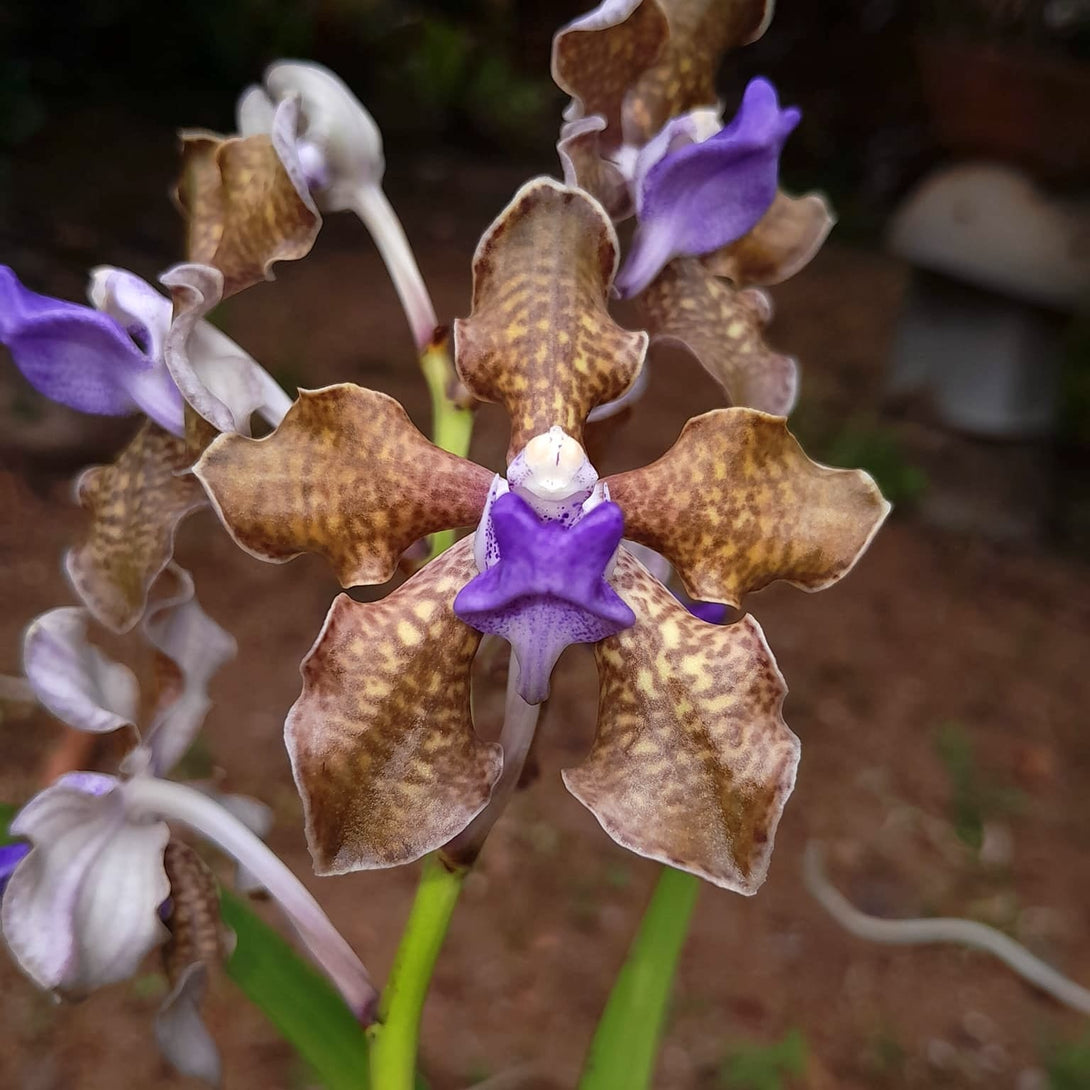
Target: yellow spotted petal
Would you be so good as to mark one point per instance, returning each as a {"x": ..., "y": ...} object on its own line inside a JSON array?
[
  {"x": 785, "y": 239},
  {"x": 242, "y": 209},
  {"x": 692, "y": 762},
  {"x": 134, "y": 505},
  {"x": 724, "y": 328},
  {"x": 381, "y": 739},
  {"x": 346, "y": 475},
  {"x": 735, "y": 504},
  {"x": 600, "y": 55},
  {"x": 540, "y": 339},
  {"x": 683, "y": 77}
]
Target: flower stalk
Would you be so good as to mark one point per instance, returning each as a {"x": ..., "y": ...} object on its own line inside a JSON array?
[
  {"x": 452, "y": 424},
  {"x": 394, "y": 1037},
  {"x": 516, "y": 736},
  {"x": 163, "y": 798},
  {"x": 371, "y": 205}
]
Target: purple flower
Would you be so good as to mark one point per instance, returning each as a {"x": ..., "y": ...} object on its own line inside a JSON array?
[
  {"x": 694, "y": 194},
  {"x": 547, "y": 589},
  {"x": 89, "y": 360},
  {"x": 712, "y": 612},
  {"x": 125, "y": 354},
  {"x": 11, "y": 855}
]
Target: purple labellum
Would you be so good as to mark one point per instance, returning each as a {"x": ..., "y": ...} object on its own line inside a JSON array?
[
  {"x": 548, "y": 589},
  {"x": 712, "y": 612},
  {"x": 700, "y": 196},
  {"x": 11, "y": 855},
  {"x": 84, "y": 359}
]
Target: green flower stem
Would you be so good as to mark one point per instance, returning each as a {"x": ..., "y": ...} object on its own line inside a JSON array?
[
  {"x": 622, "y": 1054},
  {"x": 452, "y": 424},
  {"x": 395, "y": 1035}
]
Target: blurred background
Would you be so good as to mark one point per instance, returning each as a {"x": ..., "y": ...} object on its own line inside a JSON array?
[{"x": 939, "y": 692}]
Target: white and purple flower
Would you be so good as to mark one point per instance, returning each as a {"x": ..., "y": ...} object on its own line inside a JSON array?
[
  {"x": 125, "y": 354},
  {"x": 332, "y": 149},
  {"x": 86, "y": 899}
]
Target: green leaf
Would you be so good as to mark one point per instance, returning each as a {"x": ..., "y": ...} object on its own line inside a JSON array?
[
  {"x": 622, "y": 1054},
  {"x": 297, "y": 999},
  {"x": 1068, "y": 1065},
  {"x": 766, "y": 1067},
  {"x": 7, "y": 815}
]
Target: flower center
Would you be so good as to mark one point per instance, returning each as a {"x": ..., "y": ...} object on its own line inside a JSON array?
[{"x": 545, "y": 544}]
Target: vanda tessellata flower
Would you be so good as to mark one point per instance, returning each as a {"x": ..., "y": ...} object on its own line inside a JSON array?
[
  {"x": 644, "y": 134},
  {"x": 306, "y": 145},
  {"x": 104, "y": 881},
  {"x": 126, "y": 354},
  {"x": 115, "y": 357},
  {"x": 692, "y": 762}
]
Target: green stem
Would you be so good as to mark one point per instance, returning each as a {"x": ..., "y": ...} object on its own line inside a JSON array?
[
  {"x": 452, "y": 425},
  {"x": 622, "y": 1054},
  {"x": 395, "y": 1035}
]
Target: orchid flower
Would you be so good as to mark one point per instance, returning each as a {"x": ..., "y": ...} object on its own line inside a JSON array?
[
  {"x": 104, "y": 882},
  {"x": 698, "y": 187},
  {"x": 112, "y": 358},
  {"x": 308, "y": 146},
  {"x": 124, "y": 354},
  {"x": 692, "y": 763},
  {"x": 106, "y": 360},
  {"x": 644, "y": 134}
]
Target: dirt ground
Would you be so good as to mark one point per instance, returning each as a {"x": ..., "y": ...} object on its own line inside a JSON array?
[{"x": 933, "y": 628}]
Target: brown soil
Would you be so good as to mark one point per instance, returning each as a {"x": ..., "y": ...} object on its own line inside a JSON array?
[{"x": 932, "y": 628}]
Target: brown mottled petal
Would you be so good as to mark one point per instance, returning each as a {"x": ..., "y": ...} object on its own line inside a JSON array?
[
  {"x": 785, "y": 239},
  {"x": 243, "y": 211},
  {"x": 581, "y": 160},
  {"x": 196, "y": 931},
  {"x": 198, "y": 943},
  {"x": 724, "y": 328},
  {"x": 540, "y": 339},
  {"x": 198, "y": 432},
  {"x": 692, "y": 762},
  {"x": 599, "y": 56},
  {"x": 683, "y": 77},
  {"x": 735, "y": 504},
  {"x": 381, "y": 740},
  {"x": 345, "y": 475},
  {"x": 135, "y": 506}
]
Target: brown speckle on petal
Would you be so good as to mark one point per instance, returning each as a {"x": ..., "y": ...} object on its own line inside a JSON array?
[
  {"x": 381, "y": 739},
  {"x": 599, "y": 56},
  {"x": 692, "y": 762},
  {"x": 135, "y": 506},
  {"x": 735, "y": 504},
  {"x": 540, "y": 339},
  {"x": 683, "y": 77},
  {"x": 724, "y": 328},
  {"x": 242, "y": 209},
  {"x": 346, "y": 475},
  {"x": 196, "y": 932}
]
